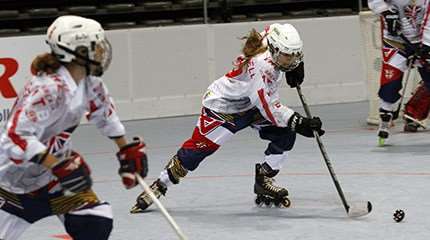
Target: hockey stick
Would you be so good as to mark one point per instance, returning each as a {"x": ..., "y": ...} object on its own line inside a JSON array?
[
  {"x": 420, "y": 123},
  {"x": 405, "y": 80},
  {"x": 169, "y": 218},
  {"x": 366, "y": 208}
]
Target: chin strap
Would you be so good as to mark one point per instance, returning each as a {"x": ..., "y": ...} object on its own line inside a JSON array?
[{"x": 98, "y": 70}]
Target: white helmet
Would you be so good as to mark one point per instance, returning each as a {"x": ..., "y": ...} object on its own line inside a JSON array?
[
  {"x": 67, "y": 34},
  {"x": 284, "y": 39}
]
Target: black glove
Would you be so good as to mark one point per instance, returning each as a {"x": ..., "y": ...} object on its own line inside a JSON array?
[
  {"x": 132, "y": 159},
  {"x": 296, "y": 76},
  {"x": 424, "y": 55},
  {"x": 73, "y": 174},
  {"x": 305, "y": 126},
  {"x": 413, "y": 50},
  {"x": 392, "y": 21}
]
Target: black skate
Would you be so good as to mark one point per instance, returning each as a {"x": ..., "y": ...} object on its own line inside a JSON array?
[
  {"x": 143, "y": 201},
  {"x": 411, "y": 126},
  {"x": 384, "y": 125},
  {"x": 267, "y": 193}
]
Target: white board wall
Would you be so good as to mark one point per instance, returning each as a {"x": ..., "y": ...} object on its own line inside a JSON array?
[{"x": 160, "y": 72}]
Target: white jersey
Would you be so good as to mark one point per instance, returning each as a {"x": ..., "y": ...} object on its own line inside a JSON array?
[
  {"x": 43, "y": 118},
  {"x": 413, "y": 15},
  {"x": 254, "y": 86}
]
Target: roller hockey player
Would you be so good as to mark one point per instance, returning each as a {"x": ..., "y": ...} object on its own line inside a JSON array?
[
  {"x": 40, "y": 175},
  {"x": 405, "y": 38},
  {"x": 248, "y": 96}
]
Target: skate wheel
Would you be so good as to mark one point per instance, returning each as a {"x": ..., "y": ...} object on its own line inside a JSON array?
[
  {"x": 268, "y": 202},
  {"x": 286, "y": 202},
  {"x": 258, "y": 201}
]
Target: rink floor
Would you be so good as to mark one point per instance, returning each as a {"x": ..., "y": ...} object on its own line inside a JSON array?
[{"x": 216, "y": 202}]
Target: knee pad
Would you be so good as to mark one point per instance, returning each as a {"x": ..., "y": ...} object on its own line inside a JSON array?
[
  {"x": 281, "y": 139},
  {"x": 85, "y": 227},
  {"x": 190, "y": 159},
  {"x": 195, "y": 149},
  {"x": 419, "y": 105},
  {"x": 283, "y": 144},
  {"x": 391, "y": 83}
]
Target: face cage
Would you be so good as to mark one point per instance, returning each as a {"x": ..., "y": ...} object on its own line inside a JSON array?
[
  {"x": 275, "y": 55},
  {"x": 298, "y": 58},
  {"x": 103, "y": 51},
  {"x": 103, "y": 48}
]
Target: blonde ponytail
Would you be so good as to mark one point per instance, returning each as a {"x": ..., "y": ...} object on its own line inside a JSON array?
[{"x": 253, "y": 46}]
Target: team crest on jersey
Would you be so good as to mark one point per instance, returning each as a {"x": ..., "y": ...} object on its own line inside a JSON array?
[
  {"x": 389, "y": 73},
  {"x": 208, "y": 124},
  {"x": 57, "y": 142}
]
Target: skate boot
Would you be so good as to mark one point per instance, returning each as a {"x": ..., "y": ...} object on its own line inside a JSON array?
[
  {"x": 267, "y": 193},
  {"x": 143, "y": 201},
  {"x": 384, "y": 125},
  {"x": 173, "y": 172},
  {"x": 411, "y": 126}
]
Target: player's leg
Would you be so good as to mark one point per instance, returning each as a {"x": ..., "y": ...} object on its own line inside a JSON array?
[
  {"x": 281, "y": 141},
  {"x": 84, "y": 216},
  {"x": 212, "y": 130},
  {"x": 95, "y": 222},
  {"x": 187, "y": 158},
  {"x": 19, "y": 211},
  {"x": 11, "y": 226},
  {"x": 393, "y": 66},
  {"x": 418, "y": 105}
]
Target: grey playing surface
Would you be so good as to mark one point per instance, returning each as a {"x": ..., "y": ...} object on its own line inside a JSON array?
[{"x": 217, "y": 202}]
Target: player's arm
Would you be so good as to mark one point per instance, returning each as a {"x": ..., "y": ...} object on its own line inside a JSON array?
[
  {"x": 28, "y": 122},
  {"x": 131, "y": 156},
  {"x": 280, "y": 115},
  {"x": 389, "y": 14},
  {"x": 101, "y": 110}
]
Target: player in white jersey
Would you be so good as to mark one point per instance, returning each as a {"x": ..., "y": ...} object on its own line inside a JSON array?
[
  {"x": 406, "y": 38},
  {"x": 248, "y": 96},
  {"x": 40, "y": 174}
]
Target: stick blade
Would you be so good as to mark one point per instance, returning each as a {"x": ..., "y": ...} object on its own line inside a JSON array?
[{"x": 360, "y": 209}]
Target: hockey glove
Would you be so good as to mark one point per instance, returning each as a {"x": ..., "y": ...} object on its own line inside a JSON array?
[
  {"x": 305, "y": 126},
  {"x": 392, "y": 21},
  {"x": 413, "y": 50},
  {"x": 296, "y": 76},
  {"x": 424, "y": 56},
  {"x": 132, "y": 159},
  {"x": 73, "y": 174}
]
